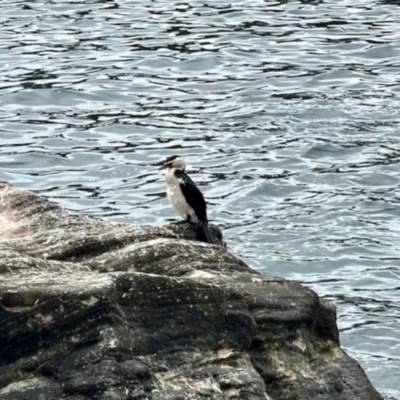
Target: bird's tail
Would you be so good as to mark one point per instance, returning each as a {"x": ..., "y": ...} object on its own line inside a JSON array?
[{"x": 209, "y": 236}]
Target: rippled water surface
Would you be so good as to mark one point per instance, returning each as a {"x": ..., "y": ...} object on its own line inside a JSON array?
[{"x": 286, "y": 111}]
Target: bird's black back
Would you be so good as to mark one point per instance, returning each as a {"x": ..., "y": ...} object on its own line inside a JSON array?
[{"x": 193, "y": 195}]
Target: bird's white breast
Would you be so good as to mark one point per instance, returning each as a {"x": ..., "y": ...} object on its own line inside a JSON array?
[{"x": 176, "y": 197}]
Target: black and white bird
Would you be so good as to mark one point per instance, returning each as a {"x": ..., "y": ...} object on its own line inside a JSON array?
[{"x": 185, "y": 196}]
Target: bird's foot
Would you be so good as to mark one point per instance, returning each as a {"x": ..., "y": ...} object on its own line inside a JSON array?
[{"x": 182, "y": 222}]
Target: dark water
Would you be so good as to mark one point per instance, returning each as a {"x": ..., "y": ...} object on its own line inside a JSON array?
[{"x": 287, "y": 113}]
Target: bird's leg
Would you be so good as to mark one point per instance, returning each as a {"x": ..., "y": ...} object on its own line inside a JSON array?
[{"x": 189, "y": 221}]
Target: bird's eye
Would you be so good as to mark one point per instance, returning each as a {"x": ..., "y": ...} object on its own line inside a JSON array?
[{"x": 171, "y": 159}]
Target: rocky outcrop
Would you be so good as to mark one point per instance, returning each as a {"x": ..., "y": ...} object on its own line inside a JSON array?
[{"x": 94, "y": 310}]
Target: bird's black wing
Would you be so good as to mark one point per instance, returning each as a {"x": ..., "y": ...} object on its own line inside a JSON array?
[
  {"x": 193, "y": 196},
  {"x": 195, "y": 199}
]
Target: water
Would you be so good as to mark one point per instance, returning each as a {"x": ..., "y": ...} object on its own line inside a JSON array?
[{"x": 286, "y": 111}]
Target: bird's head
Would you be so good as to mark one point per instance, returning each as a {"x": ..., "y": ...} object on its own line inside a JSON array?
[{"x": 174, "y": 162}]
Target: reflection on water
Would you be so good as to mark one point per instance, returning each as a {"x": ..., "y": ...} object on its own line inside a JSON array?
[{"x": 287, "y": 113}]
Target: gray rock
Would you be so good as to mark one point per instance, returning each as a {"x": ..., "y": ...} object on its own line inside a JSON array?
[{"x": 94, "y": 310}]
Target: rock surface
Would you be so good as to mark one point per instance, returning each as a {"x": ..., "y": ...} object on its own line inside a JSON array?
[{"x": 94, "y": 310}]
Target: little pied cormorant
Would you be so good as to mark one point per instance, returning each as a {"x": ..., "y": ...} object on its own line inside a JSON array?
[{"x": 185, "y": 196}]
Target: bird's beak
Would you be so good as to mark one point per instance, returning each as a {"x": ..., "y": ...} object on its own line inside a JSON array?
[{"x": 165, "y": 166}]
